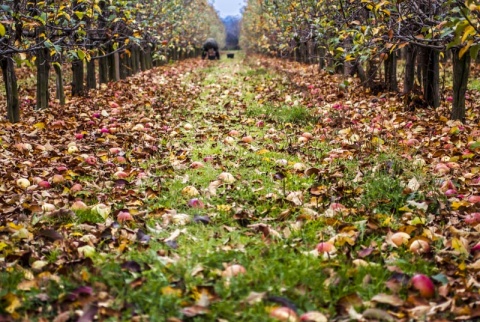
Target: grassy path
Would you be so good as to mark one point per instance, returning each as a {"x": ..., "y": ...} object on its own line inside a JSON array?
[{"x": 222, "y": 191}]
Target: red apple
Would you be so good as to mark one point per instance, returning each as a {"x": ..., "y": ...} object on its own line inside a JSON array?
[{"x": 424, "y": 285}]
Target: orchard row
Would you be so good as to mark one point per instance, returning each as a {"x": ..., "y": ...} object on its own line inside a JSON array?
[
  {"x": 113, "y": 38},
  {"x": 359, "y": 36}
]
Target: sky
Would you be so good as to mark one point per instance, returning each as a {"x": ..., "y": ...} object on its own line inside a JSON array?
[{"x": 228, "y": 7}]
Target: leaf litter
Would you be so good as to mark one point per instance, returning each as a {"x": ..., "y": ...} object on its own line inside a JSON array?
[{"x": 391, "y": 192}]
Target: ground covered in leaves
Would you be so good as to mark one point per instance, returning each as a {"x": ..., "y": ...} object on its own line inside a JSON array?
[{"x": 242, "y": 190}]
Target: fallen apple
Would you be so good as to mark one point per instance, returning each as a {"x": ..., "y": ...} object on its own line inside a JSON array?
[
  {"x": 400, "y": 238},
  {"x": 79, "y": 205},
  {"x": 424, "y": 285},
  {"x": 284, "y": 314},
  {"x": 313, "y": 316},
  {"x": 302, "y": 139},
  {"x": 229, "y": 140},
  {"x": 474, "y": 199},
  {"x": 120, "y": 174},
  {"x": 124, "y": 216},
  {"x": 190, "y": 191},
  {"x": 23, "y": 183},
  {"x": 72, "y": 149},
  {"x": 115, "y": 150},
  {"x": 307, "y": 135},
  {"x": 233, "y": 270},
  {"x": 226, "y": 177},
  {"x": 196, "y": 165},
  {"x": 247, "y": 139},
  {"x": 208, "y": 158},
  {"x": 419, "y": 246},
  {"x": 58, "y": 178},
  {"x": 76, "y": 187},
  {"x": 196, "y": 203},
  {"x": 325, "y": 247},
  {"x": 44, "y": 184}
]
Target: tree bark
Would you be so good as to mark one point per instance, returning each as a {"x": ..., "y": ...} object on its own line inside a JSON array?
[
  {"x": 372, "y": 69},
  {"x": 78, "y": 89},
  {"x": 111, "y": 65},
  {"x": 116, "y": 60},
  {"x": 461, "y": 69},
  {"x": 135, "y": 59},
  {"x": 10, "y": 80},
  {"x": 143, "y": 59},
  {"x": 391, "y": 72},
  {"x": 91, "y": 77},
  {"x": 409, "y": 78},
  {"x": 123, "y": 65},
  {"x": 43, "y": 68},
  {"x": 103, "y": 70},
  {"x": 431, "y": 77},
  {"x": 321, "y": 58},
  {"x": 60, "y": 91}
]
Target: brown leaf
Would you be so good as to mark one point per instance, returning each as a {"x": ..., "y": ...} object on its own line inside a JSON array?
[{"x": 388, "y": 299}]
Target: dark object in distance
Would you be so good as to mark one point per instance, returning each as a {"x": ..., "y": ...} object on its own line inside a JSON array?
[
  {"x": 230, "y": 55},
  {"x": 210, "y": 49}
]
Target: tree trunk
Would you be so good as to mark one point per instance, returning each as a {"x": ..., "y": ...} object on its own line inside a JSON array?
[
  {"x": 372, "y": 68},
  {"x": 111, "y": 65},
  {"x": 419, "y": 66},
  {"x": 123, "y": 65},
  {"x": 103, "y": 70},
  {"x": 143, "y": 59},
  {"x": 431, "y": 77},
  {"x": 91, "y": 77},
  {"x": 148, "y": 57},
  {"x": 60, "y": 91},
  {"x": 390, "y": 65},
  {"x": 135, "y": 60},
  {"x": 409, "y": 79},
  {"x": 116, "y": 60},
  {"x": 461, "y": 69},
  {"x": 358, "y": 69},
  {"x": 43, "y": 68},
  {"x": 78, "y": 89},
  {"x": 10, "y": 80}
]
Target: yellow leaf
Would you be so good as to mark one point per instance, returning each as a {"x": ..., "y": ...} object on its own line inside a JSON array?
[
  {"x": 465, "y": 49},
  {"x": 469, "y": 30},
  {"x": 71, "y": 173},
  {"x": 404, "y": 208},
  {"x": 2, "y": 245},
  {"x": 459, "y": 246},
  {"x": 39, "y": 125},
  {"x": 457, "y": 204},
  {"x": 13, "y": 302},
  {"x": 168, "y": 290},
  {"x": 14, "y": 226},
  {"x": 3, "y": 31},
  {"x": 377, "y": 140},
  {"x": 85, "y": 275},
  {"x": 262, "y": 151}
]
